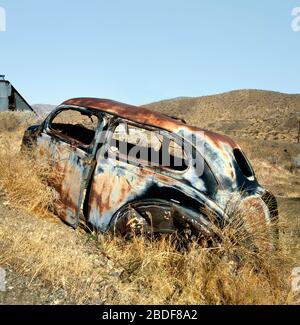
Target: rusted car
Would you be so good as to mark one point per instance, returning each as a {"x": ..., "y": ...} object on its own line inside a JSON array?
[{"x": 125, "y": 168}]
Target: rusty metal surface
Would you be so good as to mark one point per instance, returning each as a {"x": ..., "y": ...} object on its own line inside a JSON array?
[
  {"x": 218, "y": 148},
  {"x": 114, "y": 185},
  {"x": 130, "y": 112},
  {"x": 146, "y": 117},
  {"x": 67, "y": 175}
]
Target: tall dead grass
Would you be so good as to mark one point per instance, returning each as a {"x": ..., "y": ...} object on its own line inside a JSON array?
[
  {"x": 22, "y": 179},
  {"x": 242, "y": 269},
  {"x": 105, "y": 270},
  {"x": 93, "y": 268}
]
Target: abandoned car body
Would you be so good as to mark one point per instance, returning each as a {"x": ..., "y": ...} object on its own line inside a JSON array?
[{"x": 101, "y": 150}]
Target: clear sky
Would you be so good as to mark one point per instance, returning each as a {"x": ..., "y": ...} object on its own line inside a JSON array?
[{"x": 139, "y": 51}]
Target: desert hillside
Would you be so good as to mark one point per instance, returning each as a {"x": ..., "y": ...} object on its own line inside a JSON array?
[
  {"x": 47, "y": 262},
  {"x": 258, "y": 114}
]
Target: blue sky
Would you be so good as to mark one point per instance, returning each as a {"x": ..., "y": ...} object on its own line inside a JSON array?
[{"x": 139, "y": 51}]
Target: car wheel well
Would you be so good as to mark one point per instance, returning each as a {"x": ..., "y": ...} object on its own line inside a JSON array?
[{"x": 157, "y": 216}]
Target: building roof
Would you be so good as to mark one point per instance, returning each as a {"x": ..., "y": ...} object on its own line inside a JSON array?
[{"x": 14, "y": 90}]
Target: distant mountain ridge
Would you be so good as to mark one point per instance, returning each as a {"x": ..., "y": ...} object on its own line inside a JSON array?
[
  {"x": 43, "y": 109},
  {"x": 250, "y": 113}
]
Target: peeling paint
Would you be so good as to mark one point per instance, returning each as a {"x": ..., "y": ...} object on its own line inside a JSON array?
[{"x": 121, "y": 192}]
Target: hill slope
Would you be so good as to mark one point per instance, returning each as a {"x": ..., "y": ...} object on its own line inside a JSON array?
[{"x": 264, "y": 115}]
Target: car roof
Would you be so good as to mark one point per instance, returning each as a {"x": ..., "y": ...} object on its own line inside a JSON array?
[
  {"x": 146, "y": 116},
  {"x": 134, "y": 113}
]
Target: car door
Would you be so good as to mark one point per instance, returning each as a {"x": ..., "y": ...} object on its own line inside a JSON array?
[
  {"x": 137, "y": 163},
  {"x": 68, "y": 144},
  {"x": 122, "y": 173}
]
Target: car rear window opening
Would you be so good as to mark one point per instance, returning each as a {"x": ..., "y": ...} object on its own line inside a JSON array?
[{"x": 243, "y": 163}]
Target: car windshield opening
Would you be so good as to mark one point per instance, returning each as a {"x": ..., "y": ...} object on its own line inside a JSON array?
[{"x": 75, "y": 125}]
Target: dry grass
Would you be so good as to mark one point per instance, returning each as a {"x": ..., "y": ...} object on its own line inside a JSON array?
[
  {"x": 158, "y": 273},
  {"x": 54, "y": 254},
  {"x": 232, "y": 272},
  {"x": 22, "y": 179},
  {"x": 91, "y": 268},
  {"x": 113, "y": 271}
]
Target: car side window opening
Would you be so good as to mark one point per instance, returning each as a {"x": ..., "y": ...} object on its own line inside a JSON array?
[
  {"x": 75, "y": 125},
  {"x": 149, "y": 147},
  {"x": 243, "y": 163}
]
